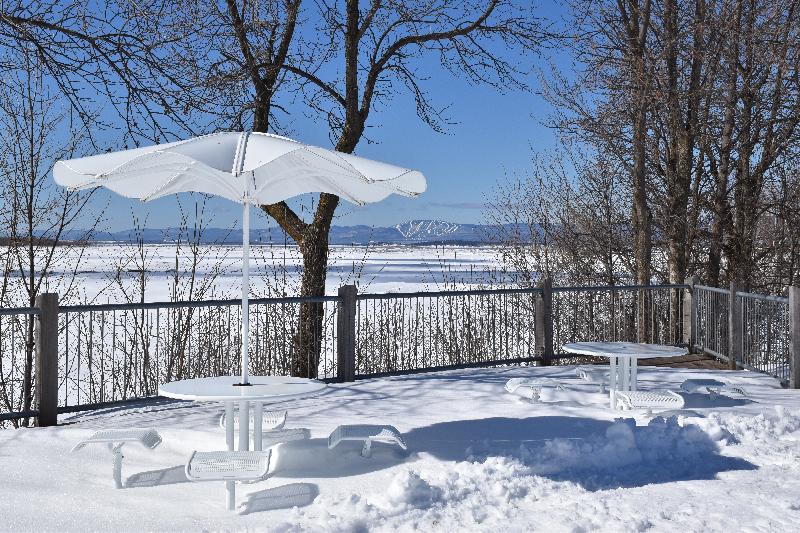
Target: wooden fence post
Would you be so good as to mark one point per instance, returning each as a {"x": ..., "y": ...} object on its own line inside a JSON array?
[
  {"x": 346, "y": 334},
  {"x": 690, "y": 314},
  {"x": 734, "y": 328},
  {"x": 794, "y": 337},
  {"x": 47, "y": 359},
  {"x": 543, "y": 312}
]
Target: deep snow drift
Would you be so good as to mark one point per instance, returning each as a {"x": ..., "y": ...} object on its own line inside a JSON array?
[{"x": 479, "y": 459}]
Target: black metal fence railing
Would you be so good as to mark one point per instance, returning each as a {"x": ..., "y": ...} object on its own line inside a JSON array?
[
  {"x": 118, "y": 352},
  {"x": 752, "y": 330},
  {"x": 765, "y": 334},
  {"x": 651, "y": 313},
  {"x": 109, "y": 353},
  {"x": 17, "y": 354},
  {"x": 406, "y": 332},
  {"x": 711, "y": 321}
]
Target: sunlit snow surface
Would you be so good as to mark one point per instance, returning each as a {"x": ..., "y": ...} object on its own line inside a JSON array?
[{"x": 479, "y": 459}]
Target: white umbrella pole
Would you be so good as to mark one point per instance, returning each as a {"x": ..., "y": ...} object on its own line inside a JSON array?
[{"x": 245, "y": 289}]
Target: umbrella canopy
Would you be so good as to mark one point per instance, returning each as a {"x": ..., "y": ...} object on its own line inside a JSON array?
[
  {"x": 254, "y": 167},
  {"x": 249, "y": 168}
]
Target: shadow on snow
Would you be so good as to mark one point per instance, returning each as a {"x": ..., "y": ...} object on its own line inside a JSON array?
[{"x": 594, "y": 454}]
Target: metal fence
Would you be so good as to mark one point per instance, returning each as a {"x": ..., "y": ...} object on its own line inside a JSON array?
[
  {"x": 17, "y": 376},
  {"x": 765, "y": 334},
  {"x": 406, "y": 332},
  {"x": 115, "y": 352},
  {"x": 711, "y": 322},
  {"x": 633, "y": 313},
  {"x": 753, "y": 329}
]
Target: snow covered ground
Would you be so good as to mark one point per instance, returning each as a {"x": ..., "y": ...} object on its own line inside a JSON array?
[{"x": 479, "y": 460}]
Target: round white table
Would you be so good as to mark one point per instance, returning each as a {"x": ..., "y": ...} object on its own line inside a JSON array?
[
  {"x": 623, "y": 358},
  {"x": 226, "y": 389}
]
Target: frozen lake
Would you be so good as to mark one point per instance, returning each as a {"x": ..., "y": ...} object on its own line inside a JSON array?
[{"x": 102, "y": 271}]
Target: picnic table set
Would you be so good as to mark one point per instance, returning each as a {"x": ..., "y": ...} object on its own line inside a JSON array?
[
  {"x": 242, "y": 465},
  {"x": 621, "y": 377}
]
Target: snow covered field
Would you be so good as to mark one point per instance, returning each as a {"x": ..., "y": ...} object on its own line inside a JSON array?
[{"x": 479, "y": 460}]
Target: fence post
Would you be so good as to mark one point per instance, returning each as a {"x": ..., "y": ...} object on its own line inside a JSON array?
[
  {"x": 794, "y": 337},
  {"x": 47, "y": 359},
  {"x": 543, "y": 312},
  {"x": 346, "y": 334},
  {"x": 734, "y": 328},
  {"x": 690, "y": 314}
]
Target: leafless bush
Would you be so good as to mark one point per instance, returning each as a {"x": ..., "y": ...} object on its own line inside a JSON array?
[{"x": 34, "y": 216}]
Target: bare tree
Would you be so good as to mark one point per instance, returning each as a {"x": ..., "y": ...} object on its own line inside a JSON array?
[
  {"x": 575, "y": 230},
  {"x": 110, "y": 50},
  {"x": 380, "y": 46},
  {"x": 608, "y": 105},
  {"x": 768, "y": 118},
  {"x": 717, "y": 84},
  {"x": 249, "y": 50},
  {"x": 35, "y": 212}
]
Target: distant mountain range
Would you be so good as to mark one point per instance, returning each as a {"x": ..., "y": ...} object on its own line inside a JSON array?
[{"x": 411, "y": 232}]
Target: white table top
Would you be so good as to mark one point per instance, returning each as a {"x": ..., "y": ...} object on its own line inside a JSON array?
[
  {"x": 223, "y": 388},
  {"x": 629, "y": 350}
]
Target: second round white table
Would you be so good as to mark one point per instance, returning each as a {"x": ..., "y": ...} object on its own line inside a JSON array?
[
  {"x": 227, "y": 389},
  {"x": 623, "y": 357}
]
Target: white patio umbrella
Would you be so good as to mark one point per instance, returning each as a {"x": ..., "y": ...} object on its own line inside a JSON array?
[{"x": 248, "y": 168}]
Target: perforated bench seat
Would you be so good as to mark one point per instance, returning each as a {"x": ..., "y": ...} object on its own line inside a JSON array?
[
  {"x": 600, "y": 376},
  {"x": 531, "y": 388},
  {"x": 279, "y": 436},
  {"x": 644, "y": 399},
  {"x": 115, "y": 439},
  {"x": 366, "y": 433},
  {"x": 227, "y": 465},
  {"x": 711, "y": 386}
]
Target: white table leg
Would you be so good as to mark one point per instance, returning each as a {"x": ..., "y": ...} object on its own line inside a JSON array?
[
  {"x": 244, "y": 425},
  {"x": 230, "y": 486},
  {"x": 634, "y": 373},
  {"x": 612, "y": 381},
  {"x": 229, "y": 425},
  {"x": 258, "y": 418},
  {"x": 626, "y": 374}
]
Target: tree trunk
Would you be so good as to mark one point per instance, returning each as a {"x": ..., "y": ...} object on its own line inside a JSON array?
[
  {"x": 720, "y": 225},
  {"x": 314, "y": 248},
  {"x": 642, "y": 224}
]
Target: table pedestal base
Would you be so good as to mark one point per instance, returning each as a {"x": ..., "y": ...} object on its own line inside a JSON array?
[
  {"x": 622, "y": 376},
  {"x": 244, "y": 436}
]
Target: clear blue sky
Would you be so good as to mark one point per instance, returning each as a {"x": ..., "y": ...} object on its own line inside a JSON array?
[{"x": 494, "y": 136}]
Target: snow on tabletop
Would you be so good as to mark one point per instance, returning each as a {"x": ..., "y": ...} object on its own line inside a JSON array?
[{"x": 479, "y": 459}]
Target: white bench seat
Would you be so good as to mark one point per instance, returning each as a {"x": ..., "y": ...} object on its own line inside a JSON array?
[
  {"x": 279, "y": 436},
  {"x": 711, "y": 386},
  {"x": 115, "y": 439},
  {"x": 227, "y": 465},
  {"x": 531, "y": 388},
  {"x": 366, "y": 433},
  {"x": 599, "y": 376},
  {"x": 649, "y": 399}
]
